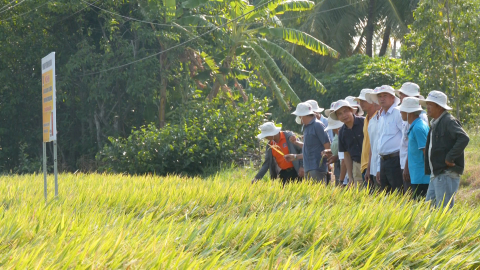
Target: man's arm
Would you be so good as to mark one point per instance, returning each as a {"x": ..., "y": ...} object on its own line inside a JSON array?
[
  {"x": 349, "y": 166},
  {"x": 461, "y": 140},
  {"x": 265, "y": 166}
]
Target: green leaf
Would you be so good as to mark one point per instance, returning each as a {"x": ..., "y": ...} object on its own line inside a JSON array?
[
  {"x": 300, "y": 38},
  {"x": 294, "y": 5}
]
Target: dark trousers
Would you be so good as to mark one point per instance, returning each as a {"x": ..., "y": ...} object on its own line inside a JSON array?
[
  {"x": 370, "y": 184},
  {"x": 288, "y": 175},
  {"x": 391, "y": 177},
  {"x": 419, "y": 191},
  {"x": 407, "y": 186}
]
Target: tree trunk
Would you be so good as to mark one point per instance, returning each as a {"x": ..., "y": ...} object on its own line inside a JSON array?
[
  {"x": 452, "y": 49},
  {"x": 358, "y": 48},
  {"x": 370, "y": 28},
  {"x": 394, "y": 50},
  {"x": 163, "y": 102},
  {"x": 386, "y": 40}
]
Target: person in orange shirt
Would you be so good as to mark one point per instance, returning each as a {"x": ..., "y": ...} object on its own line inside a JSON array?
[{"x": 279, "y": 145}]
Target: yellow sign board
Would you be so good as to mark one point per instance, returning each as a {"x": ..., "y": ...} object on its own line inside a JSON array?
[{"x": 48, "y": 98}]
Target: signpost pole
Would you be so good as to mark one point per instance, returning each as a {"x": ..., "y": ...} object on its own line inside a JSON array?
[
  {"x": 45, "y": 171},
  {"x": 55, "y": 171}
]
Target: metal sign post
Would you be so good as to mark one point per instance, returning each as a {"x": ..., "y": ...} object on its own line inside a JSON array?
[{"x": 49, "y": 116}]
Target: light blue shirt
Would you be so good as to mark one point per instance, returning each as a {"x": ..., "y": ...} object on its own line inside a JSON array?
[
  {"x": 417, "y": 139},
  {"x": 404, "y": 146},
  {"x": 390, "y": 133},
  {"x": 314, "y": 137}
]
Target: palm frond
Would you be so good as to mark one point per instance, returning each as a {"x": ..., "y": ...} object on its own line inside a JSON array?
[
  {"x": 300, "y": 38},
  {"x": 292, "y": 64},
  {"x": 294, "y": 5},
  {"x": 272, "y": 67}
]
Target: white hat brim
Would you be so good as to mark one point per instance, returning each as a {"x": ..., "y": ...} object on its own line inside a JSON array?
[
  {"x": 400, "y": 91},
  {"x": 272, "y": 133},
  {"x": 408, "y": 110},
  {"x": 424, "y": 103},
  {"x": 298, "y": 120},
  {"x": 332, "y": 127},
  {"x": 302, "y": 114},
  {"x": 327, "y": 112}
]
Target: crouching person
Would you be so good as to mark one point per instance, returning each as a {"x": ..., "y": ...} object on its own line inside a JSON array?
[
  {"x": 444, "y": 157},
  {"x": 279, "y": 145}
]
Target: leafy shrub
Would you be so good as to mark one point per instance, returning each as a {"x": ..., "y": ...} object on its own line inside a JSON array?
[{"x": 205, "y": 135}]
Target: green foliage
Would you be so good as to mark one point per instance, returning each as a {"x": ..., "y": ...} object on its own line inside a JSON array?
[
  {"x": 225, "y": 222},
  {"x": 206, "y": 134},
  {"x": 347, "y": 78},
  {"x": 427, "y": 53}
]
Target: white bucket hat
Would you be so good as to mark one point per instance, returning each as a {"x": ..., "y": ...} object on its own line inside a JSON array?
[
  {"x": 362, "y": 95},
  {"x": 333, "y": 124},
  {"x": 382, "y": 89},
  {"x": 437, "y": 97},
  {"x": 341, "y": 103},
  {"x": 327, "y": 112},
  {"x": 268, "y": 129},
  {"x": 355, "y": 104},
  {"x": 410, "y": 89},
  {"x": 410, "y": 105},
  {"x": 303, "y": 109},
  {"x": 315, "y": 106}
]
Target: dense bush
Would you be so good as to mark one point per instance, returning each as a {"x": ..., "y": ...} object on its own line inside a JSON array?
[{"x": 206, "y": 134}]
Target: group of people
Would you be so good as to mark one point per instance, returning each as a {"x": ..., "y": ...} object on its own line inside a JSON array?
[{"x": 381, "y": 140}]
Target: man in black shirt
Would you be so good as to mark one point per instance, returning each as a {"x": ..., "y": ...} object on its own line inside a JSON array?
[{"x": 350, "y": 139}]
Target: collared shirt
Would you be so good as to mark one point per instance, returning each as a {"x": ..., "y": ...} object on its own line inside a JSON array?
[
  {"x": 314, "y": 138},
  {"x": 280, "y": 155},
  {"x": 433, "y": 123},
  {"x": 404, "y": 146},
  {"x": 390, "y": 132},
  {"x": 325, "y": 122},
  {"x": 417, "y": 140},
  {"x": 350, "y": 140},
  {"x": 366, "y": 143},
  {"x": 373, "y": 136}
]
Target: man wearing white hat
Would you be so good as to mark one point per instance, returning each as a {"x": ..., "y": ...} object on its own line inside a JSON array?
[
  {"x": 350, "y": 139},
  {"x": 371, "y": 109},
  {"x": 317, "y": 110},
  {"x": 373, "y": 132},
  {"x": 444, "y": 157},
  {"x": 315, "y": 140},
  {"x": 389, "y": 173},
  {"x": 417, "y": 139},
  {"x": 279, "y": 145},
  {"x": 408, "y": 89}
]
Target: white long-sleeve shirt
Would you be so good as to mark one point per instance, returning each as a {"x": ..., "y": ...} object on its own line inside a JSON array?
[{"x": 390, "y": 133}]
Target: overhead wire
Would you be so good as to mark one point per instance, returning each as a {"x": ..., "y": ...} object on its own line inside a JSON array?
[
  {"x": 9, "y": 8},
  {"x": 25, "y": 13},
  {"x": 6, "y": 6},
  {"x": 178, "y": 45}
]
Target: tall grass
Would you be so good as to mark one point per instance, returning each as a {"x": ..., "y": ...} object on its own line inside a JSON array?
[{"x": 115, "y": 221}]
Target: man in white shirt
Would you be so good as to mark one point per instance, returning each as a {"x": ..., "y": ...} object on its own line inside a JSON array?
[
  {"x": 408, "y": 89},
  {"x": 389, "y": 173}
]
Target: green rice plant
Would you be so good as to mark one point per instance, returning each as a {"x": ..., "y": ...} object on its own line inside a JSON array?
[{"x": 151, "y": 222}]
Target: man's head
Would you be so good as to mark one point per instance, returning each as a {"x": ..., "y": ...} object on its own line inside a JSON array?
[
  {"x": 436, "y": 104},
  {"x": 410, "y": 109},
  {"x": 305, "y": 111},
  {"x": 343, "y": 112},
  {"x": 384, "y": 96},
  {"x": 268, "y": 131}
]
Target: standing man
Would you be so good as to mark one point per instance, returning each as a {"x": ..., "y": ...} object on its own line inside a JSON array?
[
  {"x": 444, "y": 157},
  {"x": 278, "y": 146},
  {"x": 417, "y": 139},
  {"x": 315, "y": 140},
  {"x": 335, "y": 126},
  {"x": 390, "y": 173},
  {"x": 371, "y": 110},
  {"x": 350, "y": 139},
  {"x": 408, "y": 89},
  {"x": 317, "y": 110},
  {"x": 373, "y": 132}
]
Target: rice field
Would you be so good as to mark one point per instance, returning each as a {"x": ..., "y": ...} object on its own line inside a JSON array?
[{"x": 224, "y": 222}]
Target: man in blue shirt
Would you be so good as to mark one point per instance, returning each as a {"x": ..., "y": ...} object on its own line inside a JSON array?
[
  {"x": 417, "y": 139},
  {"x": 315, "y": 140},
  {"x": 350, "y": 139}
]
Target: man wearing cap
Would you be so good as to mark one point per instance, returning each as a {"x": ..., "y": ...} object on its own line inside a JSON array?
[
  {"x": 389, "y": 174},
  {"x": 315, "y": 140},
  {"x": 444, "y": 157},
  {"x": 350, "y": 139},
  {"x": 371, "y": 109},
  {"x": 417, "y": 139},
  {"x": 408, "y": 89},
  {"x": 279, "y": 146}
]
